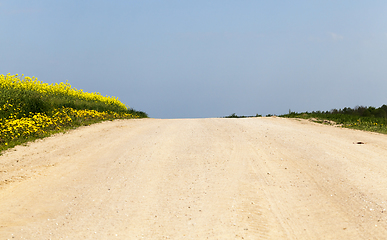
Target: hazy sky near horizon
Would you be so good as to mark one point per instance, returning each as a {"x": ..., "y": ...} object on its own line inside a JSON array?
[{"x": 185, "y": 59}]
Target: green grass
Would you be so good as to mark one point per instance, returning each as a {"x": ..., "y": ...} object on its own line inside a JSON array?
[{"x": 362, "y": 118}]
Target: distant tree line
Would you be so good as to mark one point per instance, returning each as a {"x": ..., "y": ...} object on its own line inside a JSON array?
[{"x": 360, "y": 111}]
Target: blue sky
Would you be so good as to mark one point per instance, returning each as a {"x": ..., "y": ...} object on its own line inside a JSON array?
[{"x": 185, "y": 59}]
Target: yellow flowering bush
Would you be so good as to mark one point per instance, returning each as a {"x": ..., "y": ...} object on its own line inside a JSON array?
[
  {"x": 62, "y": 91},
  {"x": 40, "y": 124},
  {"x": 31, "y": 109}
]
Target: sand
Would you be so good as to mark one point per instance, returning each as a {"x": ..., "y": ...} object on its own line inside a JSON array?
[{"x": 254, "y": 178}]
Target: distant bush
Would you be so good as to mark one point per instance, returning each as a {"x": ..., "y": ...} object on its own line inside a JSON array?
[{"x": 236, "y": 116}]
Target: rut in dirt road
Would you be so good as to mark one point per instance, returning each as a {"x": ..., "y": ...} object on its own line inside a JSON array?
[{"x": 256, "y": 178}]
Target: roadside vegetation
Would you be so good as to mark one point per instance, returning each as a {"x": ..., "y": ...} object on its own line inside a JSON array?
[
  {"x": 361, "y": 118},
  {"x": 236, "y": 116},
  {"x": 31, "y": 109}
]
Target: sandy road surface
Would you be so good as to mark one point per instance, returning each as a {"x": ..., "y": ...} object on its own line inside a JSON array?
[{"x": 257, "y": 178}]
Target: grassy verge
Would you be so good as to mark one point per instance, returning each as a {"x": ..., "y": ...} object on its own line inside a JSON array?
[
  {"x": 362, "y": 118},
  {"x": 30, "y": 109}
]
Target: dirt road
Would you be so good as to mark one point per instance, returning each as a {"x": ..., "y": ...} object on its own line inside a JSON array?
[{"x": 256, "y": 178}]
